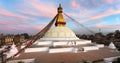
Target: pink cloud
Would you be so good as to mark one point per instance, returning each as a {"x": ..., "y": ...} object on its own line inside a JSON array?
[
  {"x": 72, "y": 14},
  {"x": 18, "y": 23},
  {"x": 109, "y": 1},
  {"x": 108, "y": 13},
  {"x": 21, "y": 29},
  {"x": 8, "y": 14},
  {"x": 100, "y": 25},
  {"x": 4, "y": 13},
  {"x": 44, "y": 9},
  {"x": 98, "y": 16},
  {"x": 79, "y": 15},
  {"x": 8, "y": 29},
  {"x": 28, "y": 12},
  {"x": 105, "y": 25},
  {"x": 12, "y": 22},
  {"x": 6, "y": 23},
  {"x": 74, "y": 4},
  {"x": 38, "y": 27},
  {"x": 108, "y": 27}
]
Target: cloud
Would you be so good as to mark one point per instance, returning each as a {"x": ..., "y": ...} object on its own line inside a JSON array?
[
  {"x": 42, "y": 8},
  {"x": 110, "y": 27},
  {"x": 28, "y": 12},
  {"x": 108, "y": 13},
  {"x": 104, "y": 25},
  {"x": 117, "y": 20},
  {"x": 91, "y": 4},
  {"x": 20, "y": 29},
  {"x": 27, "y": 16},
  {"x": 38, "y": 27},
  {"x": 92, "y": 10},
  {"x": 74, "y": 4},
  {"x": 109, "y": 1},
  {"x": 18, "y": 22},
  {"x": 7, "y": 14},
  {"x": 118, "y": 6},
  {"x": 101, "y": 25}
]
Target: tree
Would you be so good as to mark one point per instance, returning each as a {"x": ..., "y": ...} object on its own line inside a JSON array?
[
  {"x": 117, "y": 61},
  {"x": 26, "y": 35},
  {"x": 83, "y": 36},
  {"x": 117, "y": 34},
  {"x": 99, "y": 35},
  {"x": 91, "y": 37},
  {"x": 110, "y": 37},
  {"x": 100, "y": 38}
]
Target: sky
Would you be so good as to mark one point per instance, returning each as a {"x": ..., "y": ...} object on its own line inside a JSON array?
[{"x": 30, "y": 16}]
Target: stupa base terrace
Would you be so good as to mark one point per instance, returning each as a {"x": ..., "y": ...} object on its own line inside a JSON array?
[
  {"x": 67, "y": 55},
  {"x": 67, "y": 52}
]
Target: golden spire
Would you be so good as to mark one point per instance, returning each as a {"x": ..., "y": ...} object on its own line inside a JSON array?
[{"x": 60, "y": 19}]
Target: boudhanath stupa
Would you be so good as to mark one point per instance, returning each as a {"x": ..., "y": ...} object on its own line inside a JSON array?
[
  {"x": 60, "y": 36},
  {"x": 61, "y": 45}
]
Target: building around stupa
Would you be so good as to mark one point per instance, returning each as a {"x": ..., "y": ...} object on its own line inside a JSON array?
[{"x": 60, "y": 45}]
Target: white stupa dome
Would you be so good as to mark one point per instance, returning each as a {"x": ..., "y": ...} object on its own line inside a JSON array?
[{"x": 60, "y": 33}]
